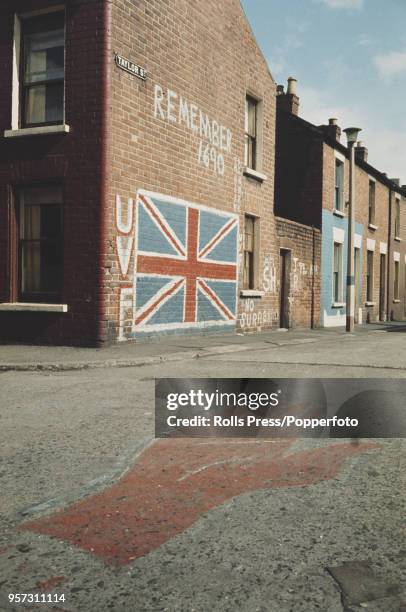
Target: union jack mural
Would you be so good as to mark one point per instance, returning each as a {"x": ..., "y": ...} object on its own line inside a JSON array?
[{"x": 186, "y": 265}]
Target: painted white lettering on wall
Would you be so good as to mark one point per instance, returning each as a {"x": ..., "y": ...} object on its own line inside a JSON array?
[
  {"x": 238, "y": 172},
  {"x": 216, "y": 139},
  {"x": 270, "y": 282}
]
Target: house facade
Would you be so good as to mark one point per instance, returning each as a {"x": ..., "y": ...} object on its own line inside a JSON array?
[
  {"x": 137, "y": 145},
  {"x": 312, "y": 188}
]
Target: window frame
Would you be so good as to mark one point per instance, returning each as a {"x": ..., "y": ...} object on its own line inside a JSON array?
[
  {"x": 40, "y": 297},
  {"x": 338, "y": 297},
  {"x": 248, "y": 137},
  {"x": 339, "y": 164},
  {"x": 250, "y": 283},
  {"x": 369, "y": 277},
  {"x": 371, "y": 202},
  {"x": 397, "y": 218},
  {"x": 24, "y": 21}
]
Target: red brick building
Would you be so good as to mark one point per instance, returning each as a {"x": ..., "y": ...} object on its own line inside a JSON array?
[
  {"x": 312, "y": 188},
  {"x": 136, "y": 171}
]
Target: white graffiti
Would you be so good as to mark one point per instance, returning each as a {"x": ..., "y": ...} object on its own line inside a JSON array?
[
  {"x": 216, "y": 139},
  {"x": 270, "y": 282},
  {"x": 124, "y": 248},
  {"x": 299, "y": 272},
  {"x": 238, "y": 173},
  {"x": 124, "y": 245},
  {"x": 124, "y": 226}
]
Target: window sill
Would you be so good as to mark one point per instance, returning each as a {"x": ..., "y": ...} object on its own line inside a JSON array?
[
  {"x": 254, "y": 293},
  {"x": 33, "y": 307},
  {"x": 396, "y": 301},
  {"x": 36, "y": 131},
  {"x": 338, "y": 305},
  {"x": 372, "y": 226},
  {"x": 338, "y": 213},
  {"x": 255, "y": 174},
  {"x": 368, "y": 304},
  {"x": 398, "y": 239}
]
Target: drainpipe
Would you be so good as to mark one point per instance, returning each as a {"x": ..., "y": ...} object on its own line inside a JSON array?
[
  {"x": 104, "y": 134},
  {"x": 389, "y": 251}
]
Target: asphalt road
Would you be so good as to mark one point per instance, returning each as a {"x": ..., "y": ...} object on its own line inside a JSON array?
[{"x": 93, "y": 508}]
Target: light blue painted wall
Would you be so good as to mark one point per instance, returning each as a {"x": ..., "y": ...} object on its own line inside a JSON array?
[{"x": 333, "y": 317}]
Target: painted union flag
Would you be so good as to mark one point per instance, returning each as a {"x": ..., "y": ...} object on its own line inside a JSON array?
[{"x": 186, "y": 265}]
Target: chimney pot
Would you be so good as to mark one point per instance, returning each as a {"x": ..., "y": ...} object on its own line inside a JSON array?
[
  {"x": 333, "y": 121},
  {"x": 280, "y": 89},
  {"x": 292, "y": 86}
]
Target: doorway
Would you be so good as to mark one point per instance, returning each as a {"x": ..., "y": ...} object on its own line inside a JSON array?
[
  {"x": 284, "y": 267},
  {"x": 382, "y": 283},
  {"x": 357, "y": 280}
]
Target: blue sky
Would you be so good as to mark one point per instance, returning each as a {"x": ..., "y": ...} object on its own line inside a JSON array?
[{"x": 349, "y": 57}]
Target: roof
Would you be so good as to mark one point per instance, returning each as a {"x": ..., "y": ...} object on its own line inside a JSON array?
[{"x": 321, "y": 133}]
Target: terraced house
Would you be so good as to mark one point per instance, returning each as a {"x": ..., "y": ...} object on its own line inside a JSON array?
[
  {"x": 136, "y": 173},
  {"x": 137, "y": 170},
  {"x": 312, "y": 188}
]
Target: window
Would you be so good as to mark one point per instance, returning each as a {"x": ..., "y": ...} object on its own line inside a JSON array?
[
  {"x": 338, "y": 273},
  {"x": 251, "y": 120},
  {"x": 40, "y": 244},
  {"x": 397, "y": 218},
  {"x": 371, "y": 207},
  {"x": 370, "y": 276},
  {"x": 42, "y": 70},
  {"x": 339, "y": 188},
  {"x": 396, "y": 282},
  {"x": 250, "y": 227}
]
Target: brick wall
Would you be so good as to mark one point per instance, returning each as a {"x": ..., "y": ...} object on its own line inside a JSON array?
[
  {"x": 298, "y": 169},
  {"x": 199, "y": 58},
  {"x": 72, "y": 159},
  {"x": 304, "y": 246},
  {"x": 397, "y": 251}
]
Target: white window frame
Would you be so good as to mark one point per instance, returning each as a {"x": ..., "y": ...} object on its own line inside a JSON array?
[
  {"x": 256, "y": 172},
  {"x": 338, "y": 299}
]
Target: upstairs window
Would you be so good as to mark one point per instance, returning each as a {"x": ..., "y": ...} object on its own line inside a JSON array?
[
  {"x": 40, "y": 244},
  {"x": 397, "y": 218},
  {"x": 371, "y": 207},
  {"x": 251, "y": 126},
  {"x": 339, "y": 186},
  {"x": 42, "y": 70}
]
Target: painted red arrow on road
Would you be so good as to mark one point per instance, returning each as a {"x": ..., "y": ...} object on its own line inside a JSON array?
[{"x": 176, "y": 481}]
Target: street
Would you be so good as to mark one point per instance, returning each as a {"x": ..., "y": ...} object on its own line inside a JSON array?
[{"x": 94, "y": 508}]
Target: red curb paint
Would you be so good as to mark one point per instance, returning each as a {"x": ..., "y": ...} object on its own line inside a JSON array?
[{"x": 175, "y": 481}]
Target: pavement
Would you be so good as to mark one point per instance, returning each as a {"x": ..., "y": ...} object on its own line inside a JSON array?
[
  {"x": 94, "y": 508},
  {"x": 21, "y": 357}
]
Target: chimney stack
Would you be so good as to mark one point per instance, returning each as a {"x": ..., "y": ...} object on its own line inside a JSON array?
[
  {"x": 289, "y": 101},
  {"x": 332, "y": 130},
  {"x": 361, "y": 152}
]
